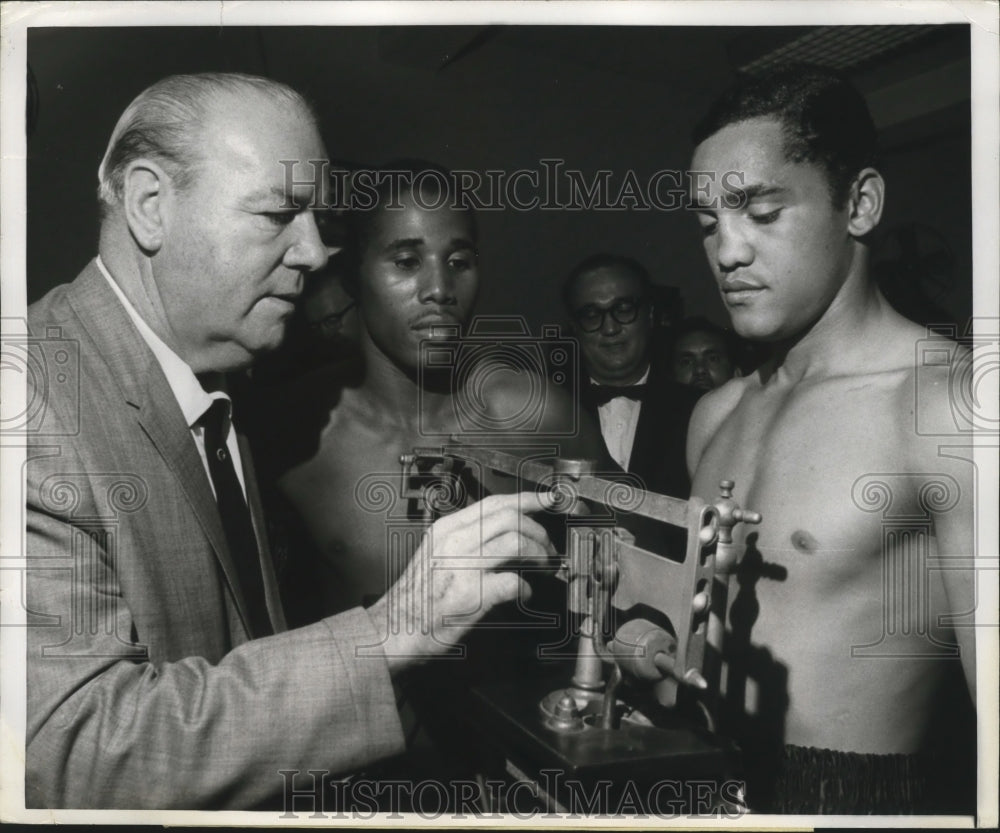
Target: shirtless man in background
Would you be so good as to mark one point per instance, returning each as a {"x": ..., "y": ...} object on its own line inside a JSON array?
[
  {"x": 413, "y": 269},
  {"x": 835, "y": 647}
]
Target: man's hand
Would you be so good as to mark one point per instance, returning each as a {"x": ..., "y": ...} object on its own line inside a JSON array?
[{"x": 452, "y": 580}]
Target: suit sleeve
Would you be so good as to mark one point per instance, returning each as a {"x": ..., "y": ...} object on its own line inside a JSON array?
[{"x": 108, "y": 728}]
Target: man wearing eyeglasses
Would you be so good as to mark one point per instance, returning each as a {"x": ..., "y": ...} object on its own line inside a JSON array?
[
  {"x": 643, "y": 413},
  {"x": 322, "y": 345},
  {"x": 329, "y": 313}
]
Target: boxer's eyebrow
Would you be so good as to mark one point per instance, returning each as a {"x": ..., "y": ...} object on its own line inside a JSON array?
[
  {"x": 417, "y": 242},
  {"x": 404, "y": 243},
  {"x": 762, "y": 190}
]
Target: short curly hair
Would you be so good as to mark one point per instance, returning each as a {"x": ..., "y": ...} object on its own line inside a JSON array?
[{"x": 825, "y": 119}]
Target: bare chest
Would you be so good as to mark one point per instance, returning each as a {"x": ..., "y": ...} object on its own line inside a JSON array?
[
  {"x": 825, "y": 467},
  {"x": 832, "y": 612},
  {"x": 352, "y": 500}
]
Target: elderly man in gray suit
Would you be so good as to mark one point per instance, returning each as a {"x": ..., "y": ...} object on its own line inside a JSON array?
[{"x": 159, "y": 670}]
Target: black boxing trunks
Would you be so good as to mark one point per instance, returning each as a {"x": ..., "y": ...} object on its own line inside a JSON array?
[{"x": 825, "y": 781}]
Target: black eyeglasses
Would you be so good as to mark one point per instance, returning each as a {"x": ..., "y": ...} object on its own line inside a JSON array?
[
  {"x": 623, "y": 310},
  {"x": 330, "y": 324}
]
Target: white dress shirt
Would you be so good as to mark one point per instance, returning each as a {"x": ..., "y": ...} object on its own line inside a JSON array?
[
  {"x": 619, "y": 418},
  {"x": 193, "y": 399}
]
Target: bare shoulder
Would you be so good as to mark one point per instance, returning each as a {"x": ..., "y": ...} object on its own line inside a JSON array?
[
  {"x": 936, "y": 408},
  {"x": 711, "y": 411},
  {"x": 511, "y": 400},
  {"x": 349, "y": 411},
  {"x": 937, "y": 397},
  {"x": 526, "y": 404}
]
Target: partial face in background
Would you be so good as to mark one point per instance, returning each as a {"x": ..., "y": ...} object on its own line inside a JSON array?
[
  {"x": 613, "y": 323},
  {"x": 701, "y": 360},
  {"x": 781, "y": 258},
  {"x": 329, "y": 315},
  {"x": 238, "y": 242},
  {"x": 418, "y": 271}
]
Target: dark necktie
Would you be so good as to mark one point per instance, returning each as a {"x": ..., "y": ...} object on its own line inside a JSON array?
[
  {"x": 597, "y": 395},
  {"x": 235, "y": 516}
]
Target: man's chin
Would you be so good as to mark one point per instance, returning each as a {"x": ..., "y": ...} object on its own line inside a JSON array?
[
  {"x": 617, "y": 364},
  {"x": 260, "y": 344},
  {"x": 232, "y": 362},
  {"x": 751, "y": 327}
]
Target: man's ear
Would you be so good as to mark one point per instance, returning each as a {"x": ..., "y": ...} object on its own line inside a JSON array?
[
  {"x": 866, "y": 202},
  {"x": 146, "y": 188}
]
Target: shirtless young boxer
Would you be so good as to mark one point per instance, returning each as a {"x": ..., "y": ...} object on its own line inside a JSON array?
[
  {"x": 830, "y": 681},
  {"x": 414, "y": 267}
]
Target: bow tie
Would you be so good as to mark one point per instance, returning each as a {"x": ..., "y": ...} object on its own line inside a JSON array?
[{"x": 597, "y": 395}]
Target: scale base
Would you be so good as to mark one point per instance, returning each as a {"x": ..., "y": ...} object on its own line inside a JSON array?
[{"x": 671, "y": 762}]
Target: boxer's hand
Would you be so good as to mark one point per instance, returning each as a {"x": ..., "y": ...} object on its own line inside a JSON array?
[{"x": 454, "y": 577}]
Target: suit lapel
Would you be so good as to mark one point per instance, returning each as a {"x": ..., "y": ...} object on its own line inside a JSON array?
[
  {"x": 658, "y": 452},
  {"x": 643, "y": 459},
  {"x": 145, "y": 388}
]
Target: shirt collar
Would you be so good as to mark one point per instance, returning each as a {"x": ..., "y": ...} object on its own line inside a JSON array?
[
  {"x": 640, "y": 381},
  {"x": 193, "y": 399}
]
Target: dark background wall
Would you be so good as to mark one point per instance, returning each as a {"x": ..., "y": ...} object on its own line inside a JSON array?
[{"x": 506, "y": 97}]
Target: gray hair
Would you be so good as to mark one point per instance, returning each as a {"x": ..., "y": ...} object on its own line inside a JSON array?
[{"x": 163, "y": 122}]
